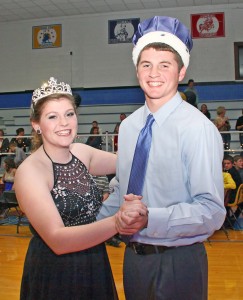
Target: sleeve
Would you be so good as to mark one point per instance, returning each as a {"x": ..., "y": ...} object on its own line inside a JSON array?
[
  {"x": 5, "y": 145},
  {"x": 96, "y": 142},
  {"x": 17, "y": 157},
  {"x": 238, "y": 123},
  {"x": 106, "y": 185},
  {"x": 216, "y": 122},
  {"x": 27, "y": 142},
  {"x": 88, "y": 141},
  {"x": 112, "y": 204},
  {"x": 229, "y": 182},
  {"x": 204, "y": 210},
  {"x": 23, "y": 155}
]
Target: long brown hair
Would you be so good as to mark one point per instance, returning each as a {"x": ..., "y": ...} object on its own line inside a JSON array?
[{"x": 10, "y": 164}]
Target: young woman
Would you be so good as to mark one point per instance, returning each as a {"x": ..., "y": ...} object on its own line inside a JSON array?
[
  {"x": 4, "y": 142},
  {"x": 223, "y": 124},
  {"x": 7, "y": 180},
  {"x": 9, "y": 173},
  {"x": 66, "y": 258},
  {"x": 115, "y": 141},
  {"x": 205, "y": 111},
  {"x": 94, "y": 141}
]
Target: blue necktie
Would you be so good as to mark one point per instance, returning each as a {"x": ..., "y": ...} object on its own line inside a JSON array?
[
  {"x": 139, "y": 164},
  {"x": 140, "y": 158}
]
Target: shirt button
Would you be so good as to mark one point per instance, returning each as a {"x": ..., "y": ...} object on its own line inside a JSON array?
[{"x": 155, "y": 234}]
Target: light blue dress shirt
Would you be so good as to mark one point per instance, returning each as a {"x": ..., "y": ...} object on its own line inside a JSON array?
[{"x": 183, "y": 185}]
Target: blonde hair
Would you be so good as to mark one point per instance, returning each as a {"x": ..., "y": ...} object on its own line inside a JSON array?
[{"x": 220, "y": 110}]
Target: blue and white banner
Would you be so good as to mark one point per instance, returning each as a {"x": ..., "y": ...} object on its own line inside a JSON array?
[{"x": 122, "y": 31}]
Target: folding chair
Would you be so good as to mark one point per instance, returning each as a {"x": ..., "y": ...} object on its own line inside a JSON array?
[
  {"x": 8, "y": 201},
  {"x": 233, "y": 206},
  {"x": 22, "y": 220},
  {"x": 226, "y": 200},
  {"x": 240, "y": 200}
]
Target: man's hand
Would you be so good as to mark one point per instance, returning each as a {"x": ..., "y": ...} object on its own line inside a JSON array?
[{"x": 132, "y": 216}]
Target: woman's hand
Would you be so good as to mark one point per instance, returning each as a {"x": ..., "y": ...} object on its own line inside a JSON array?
[{"x": 132, "y": 216}]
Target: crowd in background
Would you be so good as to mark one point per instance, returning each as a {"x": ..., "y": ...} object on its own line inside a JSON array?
[
  {"x": 14, "y": 154},
  {"x": 232, "y": 165}
]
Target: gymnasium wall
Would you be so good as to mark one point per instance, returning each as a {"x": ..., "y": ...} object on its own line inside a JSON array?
[{"x": 104, "y": 73}]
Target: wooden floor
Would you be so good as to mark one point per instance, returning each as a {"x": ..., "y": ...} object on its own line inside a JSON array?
[{"x": 225, "y": 263}]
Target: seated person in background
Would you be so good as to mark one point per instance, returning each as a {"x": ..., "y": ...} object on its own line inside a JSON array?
[
  {"x": 20, "y": 140},
  {"x": 191, "y": 93},
  {"x": 204, "y": 110},
  {"x": 8, "y": 181},
  {"x": 122, "y": 117},
  {"x": 94, "y": 141},
  {"x": 238, "y": 164},
  {"x": 115, "y": 141},
  {"x": 19, "y": 154},
  {"x": 222, "y": 123},
  {"x": 239, "y": 126},
  {"x": 116, "y": 239},
  {"x": 9, "y": 173},
  {"x": 95, "y": 124},
  {"x": 228, "y": 165},
  {"x": 4, "y": 142},
  {"x": 4, "y": 145},
  {"x": 183, "y": 96},
  {"x": 103, "y": 186}
]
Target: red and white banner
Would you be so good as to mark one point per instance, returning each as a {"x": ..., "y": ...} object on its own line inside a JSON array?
[{"x": 208, "y": 25}]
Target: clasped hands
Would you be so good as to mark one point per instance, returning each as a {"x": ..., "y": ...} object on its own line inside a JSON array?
[{"x": 132, "y": 216}]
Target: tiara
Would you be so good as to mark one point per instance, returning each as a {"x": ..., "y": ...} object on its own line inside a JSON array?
[{"x": 49, "y": 88}]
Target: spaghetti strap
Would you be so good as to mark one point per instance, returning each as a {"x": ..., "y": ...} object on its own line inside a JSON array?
[
  {"x": 54, "y": 163},
  {"x": 47, "y": 154}
]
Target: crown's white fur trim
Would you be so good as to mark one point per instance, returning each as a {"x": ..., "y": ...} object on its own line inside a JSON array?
[
  {"x": 161, "y": 37},
  {"x": 49, "y": 88}
]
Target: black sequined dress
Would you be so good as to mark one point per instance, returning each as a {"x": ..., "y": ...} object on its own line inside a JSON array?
[{"x": 80, "y": 275}]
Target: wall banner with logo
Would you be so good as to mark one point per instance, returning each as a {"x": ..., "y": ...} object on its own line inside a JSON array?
[
  {"x": 207, "y": 25},
  {"x": 46, "y": 36},
  {"x": 122, "y": 31}
]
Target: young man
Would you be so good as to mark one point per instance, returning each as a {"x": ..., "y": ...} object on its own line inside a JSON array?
[
  {"x": 228, "y": 164},
  {"x": 19, "y": 154},
  {"x": 183, "y": 186},
  {"x": 239, "y": 126},
  {"x": 238, "y": 164},
  {"x": 122, "y": 117},
  {"x": 191, "y": 93}
]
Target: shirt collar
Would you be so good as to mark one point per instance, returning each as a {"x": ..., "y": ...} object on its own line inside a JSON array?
[{"x": 162, "y": 114}]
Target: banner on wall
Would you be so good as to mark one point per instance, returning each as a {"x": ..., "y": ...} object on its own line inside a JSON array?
[
  {"x": 47, "y": 36},
  {"x": 122, "y": 31},
  {"x": 207, "y": 25}
]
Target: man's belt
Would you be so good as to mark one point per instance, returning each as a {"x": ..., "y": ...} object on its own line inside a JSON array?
[{"x": 145, "y": 249}]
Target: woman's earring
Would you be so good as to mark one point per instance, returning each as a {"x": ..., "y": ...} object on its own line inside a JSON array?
[{"x": 38, "y": 131}]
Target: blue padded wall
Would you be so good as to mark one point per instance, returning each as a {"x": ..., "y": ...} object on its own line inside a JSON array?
[{"x": 224, "y": 91}]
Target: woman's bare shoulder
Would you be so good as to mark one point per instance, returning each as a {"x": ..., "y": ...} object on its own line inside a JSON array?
[
  {"x": 80, "y": 146},
  {"x": 32, "y": 167},
  {"x": 82, "y": 152}
]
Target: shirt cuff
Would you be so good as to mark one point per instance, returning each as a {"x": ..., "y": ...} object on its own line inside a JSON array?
[{"x": 157, "y": 223}]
